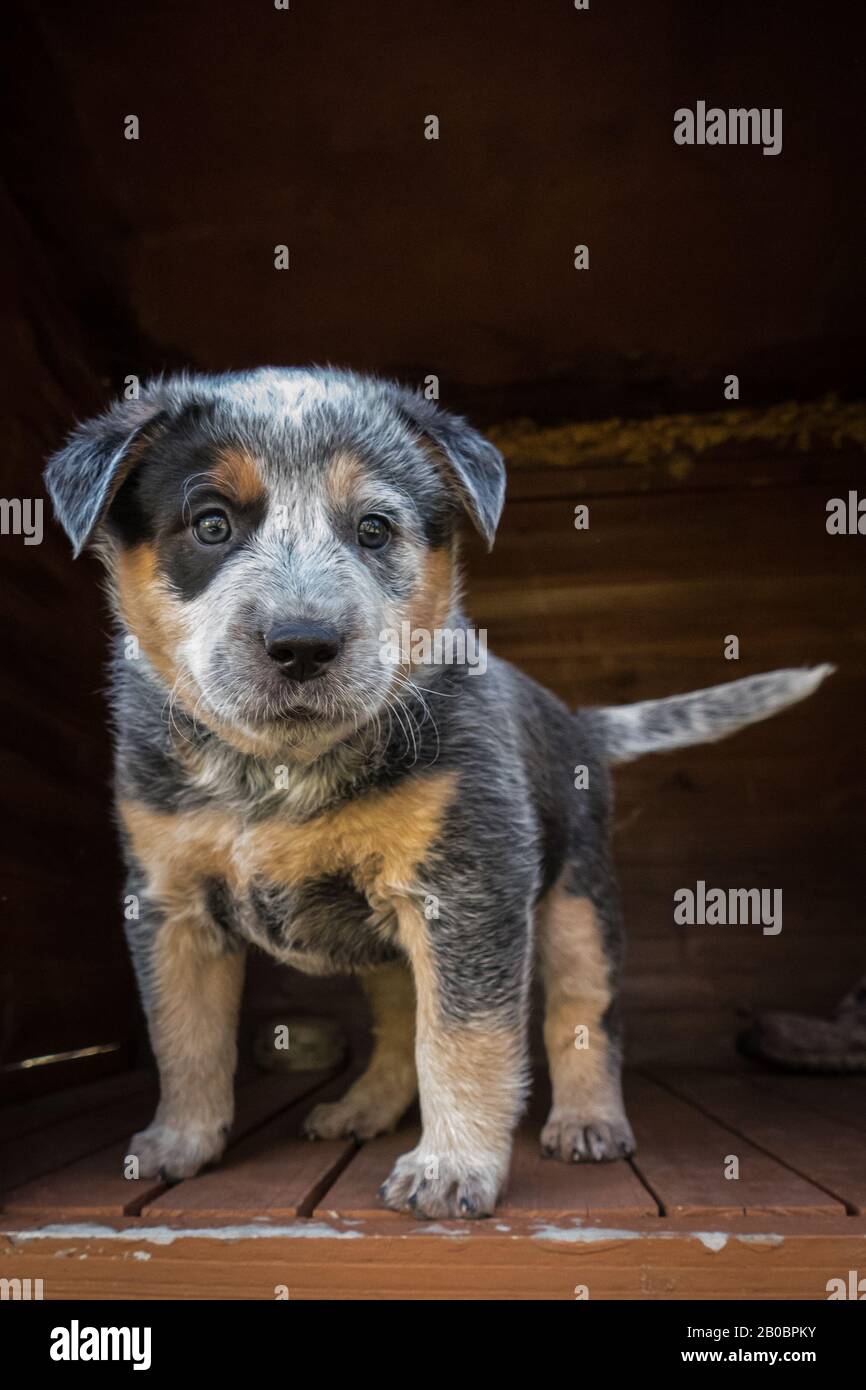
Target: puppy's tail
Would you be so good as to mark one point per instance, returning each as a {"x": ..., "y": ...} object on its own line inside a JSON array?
[{"x": 704, "y": 716}]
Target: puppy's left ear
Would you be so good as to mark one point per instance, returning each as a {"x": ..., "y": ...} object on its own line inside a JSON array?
[
  {"x": 475, "y": 468},
  {"x": 83, "y": 477}
]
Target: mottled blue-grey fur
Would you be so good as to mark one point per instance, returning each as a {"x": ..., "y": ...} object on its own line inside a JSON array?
[{"x": 704, "y": 716}]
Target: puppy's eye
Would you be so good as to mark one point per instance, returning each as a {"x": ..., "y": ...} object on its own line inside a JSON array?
[
  {"x": 373, "y": 532},
  {"x": 212, "y": 528}
]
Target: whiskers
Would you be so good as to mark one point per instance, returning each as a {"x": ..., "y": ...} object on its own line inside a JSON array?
[
  {"x": 401, "y": 719},
  {"x": 172, "y": 704},
  {"x": 412, "y": 725}
]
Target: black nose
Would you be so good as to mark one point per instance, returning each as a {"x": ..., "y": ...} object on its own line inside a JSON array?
[{"x": 301, "y": 649}]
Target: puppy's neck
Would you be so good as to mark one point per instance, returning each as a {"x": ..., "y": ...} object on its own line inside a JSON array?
[{"x": 303, "y": 779}]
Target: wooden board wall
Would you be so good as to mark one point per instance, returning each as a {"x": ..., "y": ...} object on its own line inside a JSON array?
[
  {"x": 64, "y": 981},
  {"x": 65, "y": 984}
]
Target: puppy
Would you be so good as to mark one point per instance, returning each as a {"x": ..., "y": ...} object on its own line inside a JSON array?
[{"x": 280, "y": 784}]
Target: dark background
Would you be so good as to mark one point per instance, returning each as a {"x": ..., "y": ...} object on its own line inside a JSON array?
[{"x": 455, "y": 257}]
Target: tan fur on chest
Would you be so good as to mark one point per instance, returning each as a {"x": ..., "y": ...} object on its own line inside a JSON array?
[{"x": 379, "y": 839}]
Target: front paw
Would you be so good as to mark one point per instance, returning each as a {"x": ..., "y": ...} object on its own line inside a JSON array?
[
  {"x": 425, "y": 1185},
  {"x": 576, "y": 1137},
  {"x": 163, "y": 1152}
]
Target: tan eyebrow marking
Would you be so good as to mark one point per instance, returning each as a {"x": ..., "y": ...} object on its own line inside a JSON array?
[
  {"x": 238, "y": 474},
  {"x": 345, "y": 473}
]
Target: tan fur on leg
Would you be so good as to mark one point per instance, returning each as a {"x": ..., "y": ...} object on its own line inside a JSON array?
[
  {"x": 472, "y": 1082},
  {"x": 587, "y": 1119},
  {"x": 193, "y": 1024},
  {"x": 377, "y": 1100}
]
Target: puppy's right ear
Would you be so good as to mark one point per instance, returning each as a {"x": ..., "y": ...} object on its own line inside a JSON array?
[{"x": 84, "y": 476}]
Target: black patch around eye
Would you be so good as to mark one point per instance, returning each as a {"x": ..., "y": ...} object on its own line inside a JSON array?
[
  {"x": 149, "y": 501},
  {"x": 159, "y": 501},
  {"x": 190, "y": 563}
]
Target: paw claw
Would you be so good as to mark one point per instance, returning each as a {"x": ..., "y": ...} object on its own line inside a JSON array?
[{"x": 456, "y": 1191}]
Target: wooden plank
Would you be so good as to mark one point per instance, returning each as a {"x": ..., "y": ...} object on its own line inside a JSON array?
[
  {"x": 722, "y": 472},
  {"x": 823, "y": 1151},
  {"x": 403, "y": 1260},
  {"x": 355, "y": 1191},
  {"x": 537, "y": 1187},
  {"x": 95, "y": 1186},
  {"x": 71, "y": 1139},
  {"x": 839, "y": 1098},
  {"x": 669, "y": 537},
  {"x": 27, "y": 1116},
  {"x": 275, "y": 1173},
  {"x": 544, "y": 1187},
  {"x": 682, "y": 1156}
]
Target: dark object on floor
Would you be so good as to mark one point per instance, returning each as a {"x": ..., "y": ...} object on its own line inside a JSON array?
[
  {"x": 299, "y": 1044},
  {"x": 798, "y": 1042}
]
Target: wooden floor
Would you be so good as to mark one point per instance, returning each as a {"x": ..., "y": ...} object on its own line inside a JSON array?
[{"x": 282, "y": 1216}]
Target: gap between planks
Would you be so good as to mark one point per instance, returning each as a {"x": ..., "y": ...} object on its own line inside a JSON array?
[
  {"x": 827, "y": 1153},
  {"x": 270, "y": 1172},
  {"x": 91, "y": 1184}
]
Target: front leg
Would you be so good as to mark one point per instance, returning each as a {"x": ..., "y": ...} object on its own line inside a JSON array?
[
  {"x": 471, "y": 981},
  {"x": 190, "y": 976}
]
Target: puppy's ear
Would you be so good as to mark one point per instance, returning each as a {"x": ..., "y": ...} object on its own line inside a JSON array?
[
  {"x": 83, "y": 477},
  {"x": 475, "y": 468}
]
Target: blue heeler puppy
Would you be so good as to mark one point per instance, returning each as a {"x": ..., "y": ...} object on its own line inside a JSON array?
[{"x": 279, "y": 784}]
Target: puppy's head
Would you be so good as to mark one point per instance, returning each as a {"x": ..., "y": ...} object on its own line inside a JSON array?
[{"x": 262, "y": 530}]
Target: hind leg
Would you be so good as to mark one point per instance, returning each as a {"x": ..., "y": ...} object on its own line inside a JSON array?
[
  {"x": 579, "y": 945},
  {"x": 377, "y": 1100}
]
